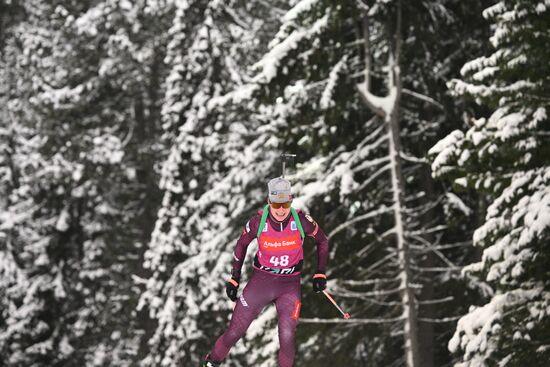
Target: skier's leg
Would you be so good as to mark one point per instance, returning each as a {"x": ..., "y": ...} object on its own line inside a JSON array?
[
  {"x": 288, "y": 310},
  {"x": 254, "y": 298}
]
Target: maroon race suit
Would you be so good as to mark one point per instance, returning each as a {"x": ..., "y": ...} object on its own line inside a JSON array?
[{"x": 275, "y": 279}]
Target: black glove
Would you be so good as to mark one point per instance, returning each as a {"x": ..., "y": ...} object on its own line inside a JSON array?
[
  {"x": 319, "y": 282},
  {"x": 231, "y": 288}
]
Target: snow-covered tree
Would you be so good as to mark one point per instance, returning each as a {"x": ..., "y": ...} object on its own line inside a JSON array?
[
  {"x": 505, "y": 155},
  {"x": 78, "y": 75},
  {"x": 210, "y": 177},
  {"x": 350, "y": 156}
]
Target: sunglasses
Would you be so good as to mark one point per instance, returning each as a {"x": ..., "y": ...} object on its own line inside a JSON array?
[{"x": 281, "y": 205}]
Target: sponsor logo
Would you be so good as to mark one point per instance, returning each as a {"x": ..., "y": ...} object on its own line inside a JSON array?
[
  {"x": 265, "y": 227},
  {"x": 248, "y": 226},
  {"x": 308, "y": 217},
  {"x": 278, "y": 271},
  {"x": 278, "y": 244},
  {"x": 243, "y": 301},
  {"x": 287, "y": 270},
  {"x": 293, "y": 226}
]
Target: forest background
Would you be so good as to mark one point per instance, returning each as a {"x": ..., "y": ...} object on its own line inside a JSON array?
[{"x": 137, "y": 138}]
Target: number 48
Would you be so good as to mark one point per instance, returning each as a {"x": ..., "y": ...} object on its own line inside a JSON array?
[{"x": 279, "y": 260}]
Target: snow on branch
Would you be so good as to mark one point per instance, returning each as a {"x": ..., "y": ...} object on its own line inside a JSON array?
[
  {"x": 474, "y": 332},
  {"x": 239, "y": 94},
  {"x": 382, "y": 106},
  {"x": 509, "y": 254},
  {"x": 298, "y": 9},
  {"x": 445, "y": 150},
  {"x": 270, "y": 62},
  {"x": 326, "y": 101}
]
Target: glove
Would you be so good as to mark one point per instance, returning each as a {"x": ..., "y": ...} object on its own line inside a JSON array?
[
  {"x": 231, "y": 288},
  {"x": 319, "y": 282}
]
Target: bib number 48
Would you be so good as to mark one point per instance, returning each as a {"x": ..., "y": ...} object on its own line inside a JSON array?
[{"x": 279, "y": 260}]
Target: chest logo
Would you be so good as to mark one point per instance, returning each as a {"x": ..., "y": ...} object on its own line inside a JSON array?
[{"x": 293, "y": 226}]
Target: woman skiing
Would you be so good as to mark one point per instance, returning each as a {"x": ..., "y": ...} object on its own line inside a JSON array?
[{"x": 280, "y": 230}]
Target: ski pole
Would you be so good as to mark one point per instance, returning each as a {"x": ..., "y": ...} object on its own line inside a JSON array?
[{"x": 345, "y": 314}]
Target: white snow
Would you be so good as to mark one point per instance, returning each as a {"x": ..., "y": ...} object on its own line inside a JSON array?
[
  {"x": 445, "y": 149},
  {"x": 301, "y": 7},
  {"x": 457, "y": 203},
  {"x": 270, "y": 63},
  {"x": 63, "y": 221},
  {"x": 326, "y": 98},
  {"x": 475, "y": 331}
]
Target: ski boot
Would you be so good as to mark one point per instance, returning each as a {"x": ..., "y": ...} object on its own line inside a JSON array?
[{"x": 209, "y": 363}]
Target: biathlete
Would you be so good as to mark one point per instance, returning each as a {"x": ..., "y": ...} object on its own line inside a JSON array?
[{"x": 280, "y": 230}]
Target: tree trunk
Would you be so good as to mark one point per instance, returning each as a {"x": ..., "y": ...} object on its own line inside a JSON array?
[
  {"x": 388, "y": 108},
  {"x": 426, "y": 329},
  {"x": 410, "y": 328}
]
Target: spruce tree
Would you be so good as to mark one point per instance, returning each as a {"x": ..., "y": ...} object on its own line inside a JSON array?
[
  {"x": 208, "y": 177},
  {"x": 307, "y": 82},
  {"x": 504, "y": 154},
  {"x": 77, "y": 76}
]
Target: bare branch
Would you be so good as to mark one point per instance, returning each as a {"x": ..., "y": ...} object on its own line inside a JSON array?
[
  {"x": 436, "y": 301},
  {"x": 410, "y": 158},
  {"x": 371, "y": 163},
  {"x": 371, "y": 136},
  {"x": 423, "y": 98},
  {"x": 443, "y": 320},
  {"x": 368, "y": 215},
  {"x": 353, "y": 294},
  {"x": 429, "y": 246},
  {"x": 436, "y": 269},
  {"x": 380, "y": 262},
  {"x": 349, "y": 321},
  {"x": 453, "y": 245},
  {"x": 430, "y": 230},
  {"x": 368, "y": 281},
  {"x": 424, "y": 208},
  {"x": 374, "y": 176}
]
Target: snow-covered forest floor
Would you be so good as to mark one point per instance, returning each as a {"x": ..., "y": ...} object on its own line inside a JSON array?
[{"x": 137, "y": 139}]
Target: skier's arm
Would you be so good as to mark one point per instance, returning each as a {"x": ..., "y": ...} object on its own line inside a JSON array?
[
  {"x": 248, "y": 234},
  {"x": 312, "y": 229}
]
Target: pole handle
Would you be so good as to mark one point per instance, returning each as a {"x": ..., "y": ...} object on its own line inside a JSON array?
[{"x": 284, "y": 158}]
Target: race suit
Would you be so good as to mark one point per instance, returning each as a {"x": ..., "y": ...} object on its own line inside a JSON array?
[{"x": 275, "y": 279}]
